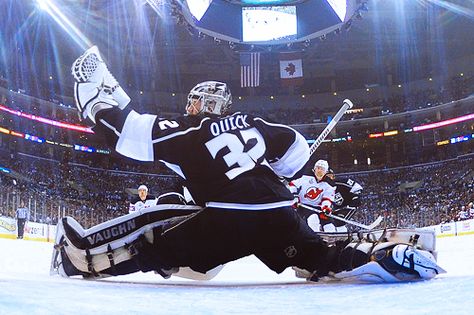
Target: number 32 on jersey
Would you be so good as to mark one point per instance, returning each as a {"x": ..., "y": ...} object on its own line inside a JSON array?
[{"x": 238, "y": 160}]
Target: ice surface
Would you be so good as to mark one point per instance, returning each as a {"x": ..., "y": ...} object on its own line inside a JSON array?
[{"x": 27, "y": 288}]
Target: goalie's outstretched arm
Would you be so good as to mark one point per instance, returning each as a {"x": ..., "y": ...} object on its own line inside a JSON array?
[
  {"x": 103, "y": 104},
  {"x": 128, "y": 132}
]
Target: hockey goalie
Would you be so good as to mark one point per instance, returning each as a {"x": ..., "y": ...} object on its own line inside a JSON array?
[
  {"x": 232, "y": 165},
  {"x": 126, "y": 244}
]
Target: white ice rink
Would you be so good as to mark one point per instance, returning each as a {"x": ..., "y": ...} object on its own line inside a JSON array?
[{"x": 27, "y": 288}]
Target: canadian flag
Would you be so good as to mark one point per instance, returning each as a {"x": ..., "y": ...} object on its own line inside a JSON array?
[{"x": 291, "y": 69}]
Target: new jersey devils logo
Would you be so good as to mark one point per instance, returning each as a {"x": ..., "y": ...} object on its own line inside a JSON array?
[{"x": 313, "y": 193}]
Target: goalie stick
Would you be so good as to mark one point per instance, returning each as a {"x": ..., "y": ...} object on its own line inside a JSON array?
[
  {"x": 347, "y": 104},
  {"x": 363, "y": 226}
]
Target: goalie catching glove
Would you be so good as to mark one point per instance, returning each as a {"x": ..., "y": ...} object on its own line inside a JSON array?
[{"x": 95, "y": 89}]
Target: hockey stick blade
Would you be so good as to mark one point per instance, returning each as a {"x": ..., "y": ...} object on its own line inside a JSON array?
[
  {"x": 363, "y": 226},
  {"x": 346, "y": 104},
  {"x": 376, "y": 223}
]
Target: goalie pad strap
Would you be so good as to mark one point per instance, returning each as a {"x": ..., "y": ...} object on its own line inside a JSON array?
[
  {"x": 90, "y": 266},
  {"x": 110, "y": 256},
  {"x": 426, "y": 239},
  {"x": 142, "y": 253},
  {"x": 351, "y": 259}
]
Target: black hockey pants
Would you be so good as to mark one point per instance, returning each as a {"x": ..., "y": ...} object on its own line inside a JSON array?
[{"x": 278, "y": 237}]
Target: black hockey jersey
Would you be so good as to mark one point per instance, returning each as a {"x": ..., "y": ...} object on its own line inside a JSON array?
[
  {"x": 346, "y": 201},
  {"x": 347, "y": 194},
  {"x": 228, "y": 162}
]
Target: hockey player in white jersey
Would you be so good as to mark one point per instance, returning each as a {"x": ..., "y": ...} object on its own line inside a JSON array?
[
  {"x": 316, "y": 191},
  {"x": 143, "y": 200},
  {"x": 232, "y": 166}
]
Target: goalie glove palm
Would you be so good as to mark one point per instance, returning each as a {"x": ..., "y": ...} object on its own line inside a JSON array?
[
  {"x": 96, "y": 88},
  {"x": 90, "y": 100}
]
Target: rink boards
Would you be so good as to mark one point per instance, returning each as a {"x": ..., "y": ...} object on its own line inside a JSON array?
[
  {"x": 454, "y": 228},
  {"x": 33, "y": 231},
  {"x": 46, "y": 232}
]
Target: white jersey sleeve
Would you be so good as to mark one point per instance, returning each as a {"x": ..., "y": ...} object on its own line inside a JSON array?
[
  {"x": 135, "y": 142},
  {"x": 327, "y": 198},
  {"x": 296, "y": 184},
  {"x": 294, "y": 159},
  {"x": 356, "y": 188},
  {"x": 287, "y": 150},
  {"x": 139, "y": 205}
]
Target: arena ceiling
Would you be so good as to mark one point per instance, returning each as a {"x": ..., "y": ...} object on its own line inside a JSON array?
[
  {"x": 265, "y": 2},
  {"x": 412, "y": 38}
]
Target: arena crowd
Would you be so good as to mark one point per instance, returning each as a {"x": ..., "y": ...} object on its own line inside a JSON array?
[
  {"x": 413, "y": 196},
  {"x": 55, "y": 183}
]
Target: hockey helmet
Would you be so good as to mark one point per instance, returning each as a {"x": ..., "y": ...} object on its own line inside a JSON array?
[
  {"x": 143, "y": 187},
  {"x": 323, "y": 164},
  {"x": 215, "y": 97}
]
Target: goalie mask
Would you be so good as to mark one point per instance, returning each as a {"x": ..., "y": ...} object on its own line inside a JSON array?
[{"x": 214, "y": 96}]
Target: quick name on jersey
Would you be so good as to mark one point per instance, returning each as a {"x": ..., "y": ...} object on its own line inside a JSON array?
[{"x": 229, "y": 123}]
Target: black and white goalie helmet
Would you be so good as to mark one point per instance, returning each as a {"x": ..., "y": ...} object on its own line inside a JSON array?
[{"x": 215, "y": 97}]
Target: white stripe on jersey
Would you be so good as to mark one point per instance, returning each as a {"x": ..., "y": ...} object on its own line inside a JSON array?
[
  {"x": 295, "y": 157},
  {"x": 175, "y": 168},
  {"x": 243, "y": 206},
  {"x": 135, "y": 139},
  {"x": 110, "y": 127},
  {"x": 180, "y": 133}
]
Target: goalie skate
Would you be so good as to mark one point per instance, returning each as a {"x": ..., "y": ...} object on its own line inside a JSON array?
[{"x": 388, "y": 262}]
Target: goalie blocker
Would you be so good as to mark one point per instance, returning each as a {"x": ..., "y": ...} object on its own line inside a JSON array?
[{"x": 125, "y": 245}]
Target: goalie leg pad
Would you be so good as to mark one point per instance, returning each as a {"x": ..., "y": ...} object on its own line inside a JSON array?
[
  {"x": 120, "y": 246},
  {"x": 145, "y": 257}
]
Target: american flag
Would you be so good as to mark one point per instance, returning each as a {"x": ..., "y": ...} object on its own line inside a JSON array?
[{"x": 249, "y": 69}]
